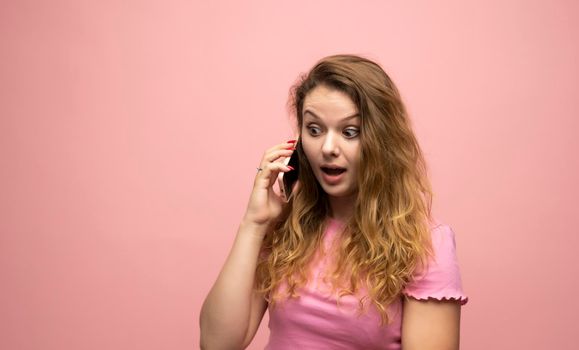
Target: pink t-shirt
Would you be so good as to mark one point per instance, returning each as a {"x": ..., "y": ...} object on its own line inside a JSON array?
[{"x": 314, "y": 321}]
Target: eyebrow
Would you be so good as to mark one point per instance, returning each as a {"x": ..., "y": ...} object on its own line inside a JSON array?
[{"x": 307, "y": 111}]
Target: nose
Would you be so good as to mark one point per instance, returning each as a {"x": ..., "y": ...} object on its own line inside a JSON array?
[{"x": 330, "y": 147}]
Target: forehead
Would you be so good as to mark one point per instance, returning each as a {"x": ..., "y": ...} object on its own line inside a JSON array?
[{"x": 324, "y": 101}]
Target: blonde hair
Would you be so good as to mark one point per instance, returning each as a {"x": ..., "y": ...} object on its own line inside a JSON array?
[{"x": 388, "y": 236}]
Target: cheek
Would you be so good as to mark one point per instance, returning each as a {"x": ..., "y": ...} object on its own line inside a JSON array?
[
  {"x": 312, "y": 163},
  {"x": 309, "y": 160},
  {"x": 306, "y": 147}
]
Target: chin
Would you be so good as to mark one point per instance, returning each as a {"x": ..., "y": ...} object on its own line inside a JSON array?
[{"x": 339, "y": 192}]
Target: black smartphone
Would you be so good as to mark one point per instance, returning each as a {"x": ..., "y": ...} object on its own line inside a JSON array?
[{"x": 286, "y": 181}]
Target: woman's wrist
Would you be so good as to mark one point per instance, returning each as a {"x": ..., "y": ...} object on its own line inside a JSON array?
[{"x": 250, "y": 227}]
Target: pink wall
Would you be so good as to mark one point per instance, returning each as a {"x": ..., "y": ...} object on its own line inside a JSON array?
[{"x": 130, "y": 132}]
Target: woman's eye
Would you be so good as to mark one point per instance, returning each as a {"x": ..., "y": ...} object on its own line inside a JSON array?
[
  {"x": 314, "y": 130},
  {"x": 351, "y": 133}
]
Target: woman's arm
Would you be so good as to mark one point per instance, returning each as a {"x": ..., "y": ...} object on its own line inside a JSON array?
[
  {"x": 232, "y": 312},
  {"x": 430, "y": 324}
]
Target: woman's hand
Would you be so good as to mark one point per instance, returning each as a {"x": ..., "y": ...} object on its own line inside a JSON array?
[
  {"x": 233, "y": 310},
  {"x": 264, "y": 204}
]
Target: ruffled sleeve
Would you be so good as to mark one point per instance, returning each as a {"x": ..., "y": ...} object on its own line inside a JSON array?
[{"x": 441, "y": 280}]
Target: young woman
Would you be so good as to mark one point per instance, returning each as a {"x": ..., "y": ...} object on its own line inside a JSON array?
[{"x": 354, "y": 260}]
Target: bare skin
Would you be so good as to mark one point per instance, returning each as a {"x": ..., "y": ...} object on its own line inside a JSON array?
[
  {"x": 232, "y": 311},
  {"x": 330, "y": 135},
  {"x": 430, "y": 325}
]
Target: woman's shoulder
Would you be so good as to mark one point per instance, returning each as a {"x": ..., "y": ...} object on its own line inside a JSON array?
[
  {"x": 441, "y": 278},
  {"x": 443, "y": 238}
]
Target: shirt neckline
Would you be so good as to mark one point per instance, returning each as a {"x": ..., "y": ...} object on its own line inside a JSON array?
[{"x": 335, "y": 221}]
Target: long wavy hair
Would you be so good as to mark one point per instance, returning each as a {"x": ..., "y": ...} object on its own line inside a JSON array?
[{"x": 388, "y": 236}]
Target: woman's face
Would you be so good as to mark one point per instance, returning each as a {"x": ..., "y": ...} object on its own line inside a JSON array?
[{"x": 330, "y": 138}]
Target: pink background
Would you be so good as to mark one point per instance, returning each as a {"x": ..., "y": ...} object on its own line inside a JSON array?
[{"x": 130, "y": 132}]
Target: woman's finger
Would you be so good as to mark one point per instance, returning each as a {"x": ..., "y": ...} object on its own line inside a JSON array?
[
  {"x": 269, "y": 172},
  {"x": 286, "y": 145},
  {"x": 275, "y": 155}
]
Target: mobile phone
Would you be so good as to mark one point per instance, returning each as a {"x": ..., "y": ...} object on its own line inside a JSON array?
[{"x": 286, "y": 181}]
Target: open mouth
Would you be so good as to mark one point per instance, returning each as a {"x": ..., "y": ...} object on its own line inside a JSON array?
[{"x": 333, "y": 171}]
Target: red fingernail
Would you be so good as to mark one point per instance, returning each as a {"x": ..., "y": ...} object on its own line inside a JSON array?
[
  {"x": 291, "y": 141},
  {"x": 289, "y": 166}
]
